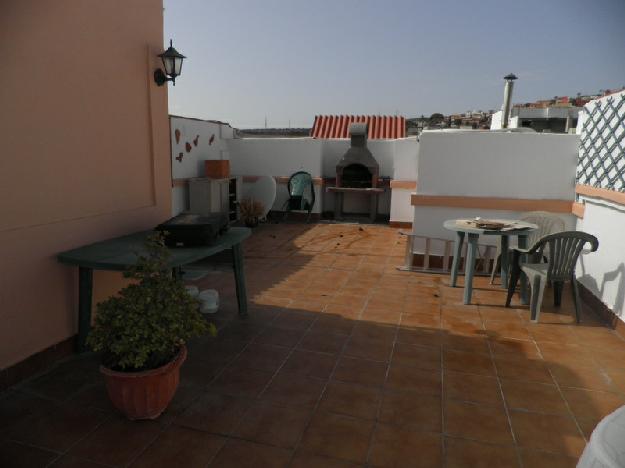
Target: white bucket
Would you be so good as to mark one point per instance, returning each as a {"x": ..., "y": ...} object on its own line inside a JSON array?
[
  {"x": 192, "y": 291},
  {"x": 210, "y": 301}
]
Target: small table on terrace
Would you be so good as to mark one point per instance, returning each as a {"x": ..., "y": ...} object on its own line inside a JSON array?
[
  {"x": 461, "y": 227},
  {"x": 122, "y": 252}
]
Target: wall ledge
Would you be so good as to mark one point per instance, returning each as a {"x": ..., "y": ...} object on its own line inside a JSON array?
[
  {"x": 490, "y": 203},
  {"x": 604, "y": 194},
  {"x": 602, "y": 310}
]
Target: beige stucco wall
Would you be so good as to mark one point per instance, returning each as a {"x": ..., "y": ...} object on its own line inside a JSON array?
[{"x": 85, "y": 152}]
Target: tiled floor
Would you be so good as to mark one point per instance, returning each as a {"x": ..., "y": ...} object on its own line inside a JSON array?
[{"x": 344, "y": 362}]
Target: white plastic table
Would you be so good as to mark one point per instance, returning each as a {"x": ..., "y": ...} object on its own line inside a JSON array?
[{"x": 462, "y": 228}]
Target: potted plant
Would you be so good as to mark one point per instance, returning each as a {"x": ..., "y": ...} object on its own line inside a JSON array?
[
  {"x": 251, "y": 211},
  {"x": 141, "y": 333}
]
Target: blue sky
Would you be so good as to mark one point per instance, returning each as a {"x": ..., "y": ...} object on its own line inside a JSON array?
[{"x": 289, "y": 60}]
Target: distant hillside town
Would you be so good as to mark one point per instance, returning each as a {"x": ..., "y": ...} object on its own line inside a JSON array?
[{"x": 554, "y": 115}]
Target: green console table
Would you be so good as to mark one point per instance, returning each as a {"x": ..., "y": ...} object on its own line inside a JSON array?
[{"x": 122, "y": 252}]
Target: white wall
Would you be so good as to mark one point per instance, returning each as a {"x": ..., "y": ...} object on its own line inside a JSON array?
[
  {"x": 277, "y": 157},
  {"x": 603, "y": 272},
  {"x": 284, "y": 156},
  {"x": 491, "y": 164},
  {"x": 207, "y": 141},
  {"x": 494, "y": 164}
]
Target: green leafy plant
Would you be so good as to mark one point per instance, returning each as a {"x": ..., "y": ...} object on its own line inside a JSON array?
[{"x": 144, "y": 326}]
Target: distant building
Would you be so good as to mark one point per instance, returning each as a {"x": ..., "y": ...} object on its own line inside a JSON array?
[{"x": 554, "y": 119}]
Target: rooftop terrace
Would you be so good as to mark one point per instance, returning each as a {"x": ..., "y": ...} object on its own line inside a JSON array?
[{"x": 344, "y": 361}]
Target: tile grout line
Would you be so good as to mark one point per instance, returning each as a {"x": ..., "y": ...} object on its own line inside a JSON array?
[
  {"x": 505, "y": 405},
  {"x": 329, "y": 379}
]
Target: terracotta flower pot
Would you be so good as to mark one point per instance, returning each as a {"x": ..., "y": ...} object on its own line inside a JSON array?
[{"x": 144, "y": 395}]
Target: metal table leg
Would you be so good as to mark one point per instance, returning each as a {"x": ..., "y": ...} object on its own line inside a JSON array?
[
  {"x": 505, "y": 261},
  {"x": 239, "y": 277},
  {"x": 469, "y": 267},
  {"x": 522, "y": 241},
  {"x": 456, "y": 261},
  {"x": 85, "y": 294}
]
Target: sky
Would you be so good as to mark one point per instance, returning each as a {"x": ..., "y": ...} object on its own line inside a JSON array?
[{"x": 289, "y": 60}]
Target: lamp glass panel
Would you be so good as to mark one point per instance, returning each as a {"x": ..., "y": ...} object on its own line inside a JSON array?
[
  {"x": 168, "y": 63},
  {"x": 177, "y": 65}
]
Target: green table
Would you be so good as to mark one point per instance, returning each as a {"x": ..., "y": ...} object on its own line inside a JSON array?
[
  {"x": 120, "y": 253},
  {"x": 462, "y": 227}
]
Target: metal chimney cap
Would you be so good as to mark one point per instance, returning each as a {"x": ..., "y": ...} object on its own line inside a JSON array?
[
  {"x": 510, "y": 77},
  {"x": 358, "y": 128}
]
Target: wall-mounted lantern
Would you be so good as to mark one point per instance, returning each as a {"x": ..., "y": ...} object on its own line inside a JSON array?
[{"x": 172, "y": 62}]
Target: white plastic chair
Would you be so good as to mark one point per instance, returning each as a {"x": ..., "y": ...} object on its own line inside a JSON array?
[{"x": 547, "y": 223}]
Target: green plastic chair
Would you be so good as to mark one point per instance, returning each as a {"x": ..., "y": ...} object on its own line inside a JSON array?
[
  {"x": 563, "y": 250},
  {"x": 547, "y": 223},
  {"x": 301, "y": 193}
]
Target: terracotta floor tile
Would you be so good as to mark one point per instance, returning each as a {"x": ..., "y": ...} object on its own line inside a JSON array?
[
  {"x": 262, "y": 357},
  {"x": 587, "y": 426},
  {"x": 215, "y": 413},
  {"x": 389, "y": 317},
  {"x": 68, "y": 461},
  {"x": 117, "y": 441},
  {"x": 536, "y": 459},
  {"x": 333, "y": 324},
  {"x": 351, "y": 399},
  {"x": 514, "y": 348},
  {"x": 427, "y": 382},
  {"x": 395, "y": 446},
  {"x": 338, "y": 436},
  {"x": 483, "y": 423},
  {"x": 461, "y": 453},
  {"x": 502, "y": 314},
  {"x": 421, "y": 412},
  {"x": 310, "y": 363},
  {"x": 179, "y": 446},
  {"x": 292, "y": 319},
  {"x": 496, "y": 329},
  {"x": 241, "y": 382},
  {"x": 473, "y": 343},
  {"x": 548, "y": 432},
  {"x": 243, "y": 454},
  {"x": 419, "y": 336},
  {"x": 17, "y": 406},
  {"x": 290, "y": 389},
  {"x": 421, "y": 320},
  {"x": 466, "y": 361},
  {"x": 273, "y": 425},
  {"x": 367, "y": 348},
  {"x": 587, "y": 378},
  {"x": 368, "y": 330},
  {"x": 280, "y": 336},
  {"x": 534, "y": 370},
  {"x": 322, "y": 342},
  {"x": 474, "y": 388},
  {"x": 304, "y": 459},
  {"x": 422, "y": 357},
  {"x": 534, "y": 396},
  {"x": 567, "y": 355},
  {"x": 618, "y": 378},
  {"x": 59, "y": 428},
  {"x": 14, "y": 455},
  {"x": 360, "y": 371},
  {"x": 592, "y": 404}
]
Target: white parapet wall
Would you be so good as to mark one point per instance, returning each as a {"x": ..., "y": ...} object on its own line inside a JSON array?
[
  {"x": 194, "y": 141},
  {"x": 277, "y": 157},
  {"x": 600, "y": 124},
  {"x": 492, "y": 165},
  {"x": 281, "y": 157}
]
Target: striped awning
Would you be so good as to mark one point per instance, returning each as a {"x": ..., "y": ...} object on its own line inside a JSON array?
[{"x": 381, "y": 127}]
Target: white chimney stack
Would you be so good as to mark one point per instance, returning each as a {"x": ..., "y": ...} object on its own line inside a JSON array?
[{"x": 507, "y": 99}]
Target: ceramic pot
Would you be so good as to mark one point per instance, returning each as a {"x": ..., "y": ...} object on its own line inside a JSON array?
[{"x": 144, "y": 395}]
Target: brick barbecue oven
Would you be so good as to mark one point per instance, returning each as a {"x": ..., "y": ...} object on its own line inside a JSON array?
[{"x": 357, "y": 172}]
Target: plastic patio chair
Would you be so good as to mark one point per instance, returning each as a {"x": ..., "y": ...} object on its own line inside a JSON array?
[
  {"x": 563, "y": 250},
  {"x": 301, "y": 194},
  {"x": 547, "y": 223}
]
